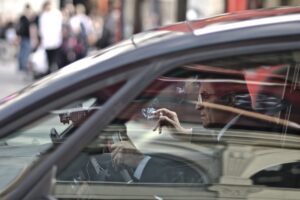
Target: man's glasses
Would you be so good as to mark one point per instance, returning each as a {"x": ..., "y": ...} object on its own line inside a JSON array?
[
  {"x": 205, "y": 96},
  {"x": 262, "y": 102}
]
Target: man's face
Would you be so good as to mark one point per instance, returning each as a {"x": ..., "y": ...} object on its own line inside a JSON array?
[
  {"x": 48, "y": 7},
  {"x": 209, "y": 116}
]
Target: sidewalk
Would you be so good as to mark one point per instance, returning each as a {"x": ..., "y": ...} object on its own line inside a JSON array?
[{"x": 10, "y": 79}]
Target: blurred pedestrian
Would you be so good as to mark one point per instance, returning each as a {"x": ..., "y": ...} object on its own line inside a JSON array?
[
  {"x": 50, "y": 29},
  {"x": 78, "y": 33},
  {"x": 82, "y": 27},
  {"x": 67, "y": 53},
  {"x": 2, "y": 27},
  {"x": 111, "y": 32},
  {"x": 97, "y": 21},
  {"x": 38, "y": 62},
  {"x": 68, "y": 11},
  {"x": 10, "y": 33},
  {"x": 23, "y": 31}
]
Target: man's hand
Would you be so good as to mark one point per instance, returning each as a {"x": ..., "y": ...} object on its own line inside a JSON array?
[
  {"x": 125, "y": 153},
  {"x": 169, "y": 119}
]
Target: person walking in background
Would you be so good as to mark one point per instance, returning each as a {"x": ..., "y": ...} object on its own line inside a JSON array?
[
  {"x": 111, "y": 32},
  {"x": 50, "y": 29},
  {"x": 74, "y": 45},
  {"x": 66, "y": 52},
  {"x": 82, "y": 27},
  {"x": 78, "y": 35},
  {"x": 10, "y": 33},
  {"x": 23, "y": 31}
]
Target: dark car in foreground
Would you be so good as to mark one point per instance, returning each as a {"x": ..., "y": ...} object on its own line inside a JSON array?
[{"x": 204, "y": 109}]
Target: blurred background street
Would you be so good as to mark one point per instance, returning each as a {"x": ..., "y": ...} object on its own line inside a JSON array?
[
  {"x": 40, "y": 37},
  {"x": 10, "y": 80}
]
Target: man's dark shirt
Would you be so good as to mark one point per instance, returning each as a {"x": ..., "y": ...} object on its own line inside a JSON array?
[{"x": 24, "y": 27}]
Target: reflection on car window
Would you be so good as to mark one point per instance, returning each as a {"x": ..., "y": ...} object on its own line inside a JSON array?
[
  {"x": 210, "y": 126},
  {"x": 283, "y": 176},
  {"x": 26, "y": 146}
]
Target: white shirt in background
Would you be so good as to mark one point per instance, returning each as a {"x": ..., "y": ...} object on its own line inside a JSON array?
[{"x": 50, "y": 28}]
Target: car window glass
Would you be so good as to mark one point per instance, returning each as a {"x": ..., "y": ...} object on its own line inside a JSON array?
[
  {"x": 26, "y": 146},
  {"x": 228, "y": 124}
]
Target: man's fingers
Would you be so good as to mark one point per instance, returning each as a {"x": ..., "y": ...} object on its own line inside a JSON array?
[
  {"x": 117, "y": 156},
  {"x": 156, "y": 126},
  {"x": 168, "y": 121},
  {"x": 166, "y": 112},
  {"x": 163, "y": 121},
  {"x": 116, "y": 151},
  {"x": 160, "y": 127},
  {"x": 116, "y": 160},
  {"x": 161, "y": 111}
]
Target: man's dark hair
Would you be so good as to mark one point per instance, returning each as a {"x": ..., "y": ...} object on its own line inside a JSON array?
[{"x": 27, "y": 6}]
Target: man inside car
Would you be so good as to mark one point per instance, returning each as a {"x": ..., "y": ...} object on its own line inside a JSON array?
[{"x": 229, "y": 96}]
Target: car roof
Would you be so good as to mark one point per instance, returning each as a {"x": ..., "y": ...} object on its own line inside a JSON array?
[
  {"x": 141, "y": 46},
  {"x": 192, "y": 25}
]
